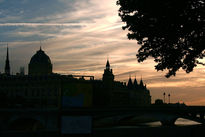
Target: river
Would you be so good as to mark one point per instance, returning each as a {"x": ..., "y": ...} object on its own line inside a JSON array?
[
  {"x": 183, "y": 128},
  {"x": 179, "y": 122}
]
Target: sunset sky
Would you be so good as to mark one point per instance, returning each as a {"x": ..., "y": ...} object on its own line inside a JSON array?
[{"x": 79, "y": 36}]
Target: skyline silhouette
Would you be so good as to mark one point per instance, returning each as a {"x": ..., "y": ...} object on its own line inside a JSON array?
[
  {"x": 42, "y": 87},
  {"x": 80, "y": 44}
]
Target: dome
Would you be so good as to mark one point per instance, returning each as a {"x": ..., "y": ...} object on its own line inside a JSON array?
[
  {"x": 40, "y": 57},
  {"x": 40, "y": 64}
]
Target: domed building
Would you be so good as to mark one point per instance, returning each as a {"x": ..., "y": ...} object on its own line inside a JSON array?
[
  {"x": 42, "y": 88},
  {"x": 40, "y": 64}
]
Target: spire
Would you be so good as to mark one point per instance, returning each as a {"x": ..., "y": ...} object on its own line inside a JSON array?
[
  {"x": 107, "y": 65},
  {"x": 141, "y": 82},
  {"x": 135, "y": 84},
  {"x": 40, "y": 45},
  {"x": 7, "y": 64},
  {"x": 7, "y": 54},
  {"x": 130, "y": 85},
  {"x": 135, "y": 79},
  {"x": 40, "y": 50}
]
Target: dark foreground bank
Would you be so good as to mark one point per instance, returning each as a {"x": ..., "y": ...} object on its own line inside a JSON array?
[{"x": 175, "y": 131}]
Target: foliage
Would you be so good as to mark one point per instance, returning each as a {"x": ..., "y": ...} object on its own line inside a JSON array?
[
  {"x": 170, "y": 31},
  {"x": 159, "y": 102}
]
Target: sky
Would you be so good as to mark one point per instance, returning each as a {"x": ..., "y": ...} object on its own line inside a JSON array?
[{"x": 79, "y": 36}]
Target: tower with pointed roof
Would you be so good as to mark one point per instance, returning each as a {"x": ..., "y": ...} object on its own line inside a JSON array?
[
  {"x": 108, "y": 65},
  {"x": 108, "y": 77},
  {"x": 135, "y": 84},
  {"x": 7, "y": 64},
  {"x": 141, "y": 83},
  {"x": 130, "y": 84},
  {"x": 139, "y": 94}
]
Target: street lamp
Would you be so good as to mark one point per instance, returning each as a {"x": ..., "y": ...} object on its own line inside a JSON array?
[
  {"x": 164, "y": 96},
  {"x": 169, "y": 98}
]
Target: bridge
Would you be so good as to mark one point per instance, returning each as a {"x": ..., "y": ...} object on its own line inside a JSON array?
[
  {"x": 29, "y": 119},
  {"x": 167, "y": 115},
  {"x": 50, "y": 119}
]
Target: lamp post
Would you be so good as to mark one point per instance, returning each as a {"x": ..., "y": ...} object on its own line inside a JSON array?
[
  {"x": 169, "y": 98},
  {"x": 164, "y": 96}
]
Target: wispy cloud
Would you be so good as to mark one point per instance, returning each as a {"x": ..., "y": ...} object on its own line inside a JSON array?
[
  {"x": 42, "y": 24},
  {"x": 79, "y": 35}
]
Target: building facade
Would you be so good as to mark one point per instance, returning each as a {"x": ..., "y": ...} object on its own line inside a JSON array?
[{"x": 43, "y": 88}]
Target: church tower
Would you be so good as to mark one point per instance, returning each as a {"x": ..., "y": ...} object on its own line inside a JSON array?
[
  {"x": 7, "y": 64},
  {"x": 108, "y": 77}
]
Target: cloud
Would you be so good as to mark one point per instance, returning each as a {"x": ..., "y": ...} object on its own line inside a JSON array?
[
  {"x": 79, "y": 35},
  {"x": 42, "y": 24}
]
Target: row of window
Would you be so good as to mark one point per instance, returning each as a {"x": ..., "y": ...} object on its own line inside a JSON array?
[
  {"x": 27, "y": 84},
  {"x": 34, "y": 93}
]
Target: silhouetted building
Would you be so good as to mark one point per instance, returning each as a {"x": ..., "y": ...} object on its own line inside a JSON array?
[
  {"x": 40, "y": 64},
  {"x": 42, "y": 88},
  {"x": 108, "y": 77},
  {"x": 130, "y": 85},
  {"x": 114, "y": 93},
  {"x": 7, "y": 64},
  {"x": 135, "y": 85}
]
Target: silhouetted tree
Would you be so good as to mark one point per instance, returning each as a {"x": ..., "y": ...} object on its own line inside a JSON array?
[
  {"x": 170, "y": 31},
  {"x": 159, "y": 102}
]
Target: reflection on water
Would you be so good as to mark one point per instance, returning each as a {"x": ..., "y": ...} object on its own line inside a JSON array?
[
  {"x": 183, "y": 128},
  {"x": 184, "y": 122},
  {"x": 179, "y": 122}
]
